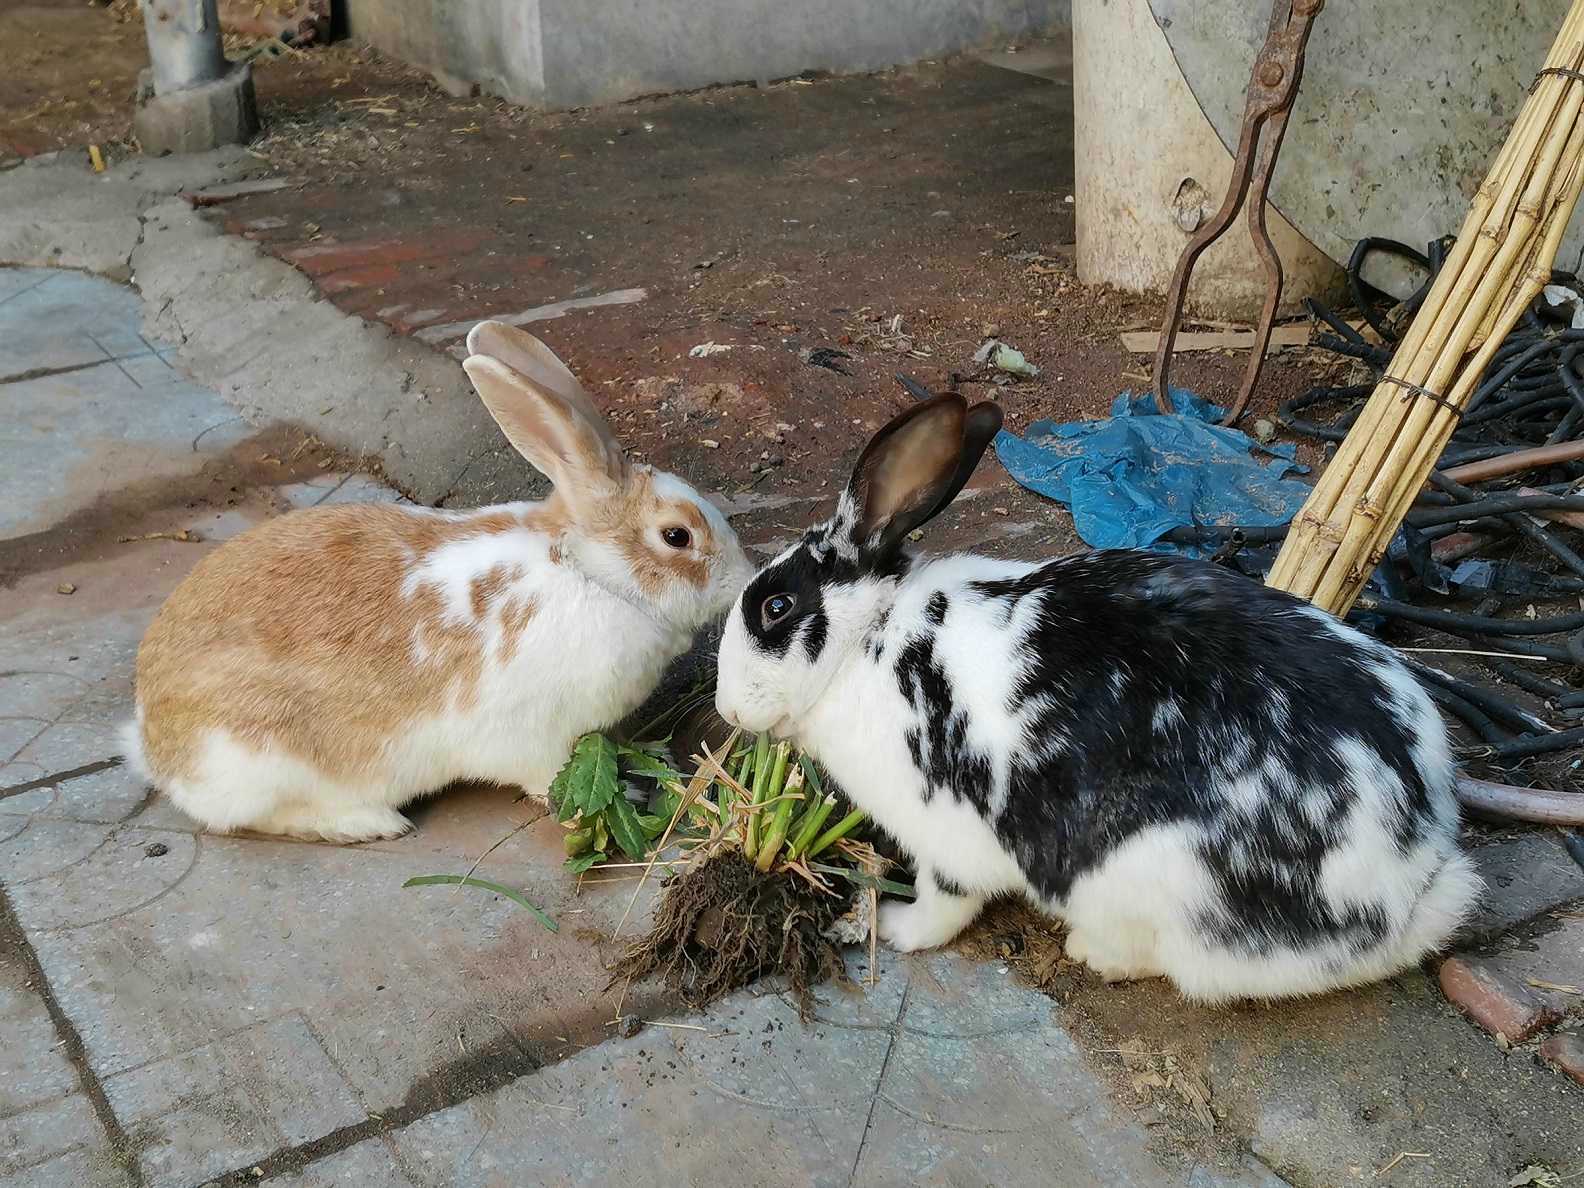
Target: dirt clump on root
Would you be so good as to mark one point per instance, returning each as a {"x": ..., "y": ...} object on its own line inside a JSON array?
[{"x": 722, "y": 924}]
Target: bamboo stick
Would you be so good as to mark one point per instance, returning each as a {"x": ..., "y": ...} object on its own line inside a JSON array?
[{"x": 1497, "y": 266}]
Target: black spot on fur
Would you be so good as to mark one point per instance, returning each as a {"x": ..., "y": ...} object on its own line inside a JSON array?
[
  {"x": 940, "y": 751},
  {"x": 946, "y": 885},
  {"x": 937, "y": 607}
]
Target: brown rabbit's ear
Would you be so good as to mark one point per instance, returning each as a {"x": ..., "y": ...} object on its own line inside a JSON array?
[
  {"x": 542, "y": 374},
  {"x": 550, "y": 432}
]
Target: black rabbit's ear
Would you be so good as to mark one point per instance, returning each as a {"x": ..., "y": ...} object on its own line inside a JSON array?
[{"x": 910, "y": 470}]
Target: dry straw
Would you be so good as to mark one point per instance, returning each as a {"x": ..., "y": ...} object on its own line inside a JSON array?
[{"x": 1499, "y": 264}]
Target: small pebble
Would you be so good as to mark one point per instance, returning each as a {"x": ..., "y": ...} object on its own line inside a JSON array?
[
  {"x": 629, "y": 1026},
  {"x": 1264, "y": 431},
  {"x": 156, "y": 850},
  {"x": 65, "y": 588}
]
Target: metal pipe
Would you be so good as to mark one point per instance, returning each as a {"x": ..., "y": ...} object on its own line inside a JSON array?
[
  {"x": 184, "y": 43},
  {"x": 1547, "y": 455}
]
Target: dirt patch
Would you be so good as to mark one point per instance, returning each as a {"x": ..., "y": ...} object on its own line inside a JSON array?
[
  {"x": 147, "y": 510},
  {"x": 1325, "y": 1090}
]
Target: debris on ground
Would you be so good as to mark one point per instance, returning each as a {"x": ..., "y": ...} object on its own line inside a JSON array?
[
  {"x": 1005, "y": 358},
  {"x": 827, "y": 357},
  {"x": 1227, "y": 338},
  {"x": 705, "y": 350}
]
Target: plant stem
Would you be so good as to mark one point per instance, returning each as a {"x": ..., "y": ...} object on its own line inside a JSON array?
[
  {"x": 809, "y": 825},
  {"x": 761, "y": 771},
  {"x": 790, "y": 785},
  {"x": 836, "y": 832}
]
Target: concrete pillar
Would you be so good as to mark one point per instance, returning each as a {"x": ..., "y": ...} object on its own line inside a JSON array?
[
  {"x": 1151, "y": 170},
  {"x": 192, "y": 99}
]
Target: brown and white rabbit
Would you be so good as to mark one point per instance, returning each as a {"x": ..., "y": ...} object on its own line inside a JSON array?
[{"x": 318, "y": 672}]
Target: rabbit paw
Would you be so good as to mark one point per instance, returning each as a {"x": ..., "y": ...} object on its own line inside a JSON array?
[
  {"x": 926, "y": 924},
  {"x": 361, "y": 824}
]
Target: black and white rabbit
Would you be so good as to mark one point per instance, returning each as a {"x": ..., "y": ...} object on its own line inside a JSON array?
[{"x": 1204, "y": 778}]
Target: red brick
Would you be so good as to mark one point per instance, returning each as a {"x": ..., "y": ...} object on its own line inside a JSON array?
[
  {"x": 321, "y": 259},
  {"x": 1565, "y": 1050},
  {"x": 1497, "y": 1003},
  {"x": 369, "y": 276}
]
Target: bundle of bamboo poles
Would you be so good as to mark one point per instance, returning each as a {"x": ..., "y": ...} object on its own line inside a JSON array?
[{"x": 1501, "y": 260}]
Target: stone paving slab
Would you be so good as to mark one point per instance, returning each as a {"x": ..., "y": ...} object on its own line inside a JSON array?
[
  {"x": 944, "y": 1074},
  {"x": 110, "y": 409}
]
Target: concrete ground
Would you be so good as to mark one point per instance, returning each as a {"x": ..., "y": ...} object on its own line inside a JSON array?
[{"x": 179, "y": 1008}]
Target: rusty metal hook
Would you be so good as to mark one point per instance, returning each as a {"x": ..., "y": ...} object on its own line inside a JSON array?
[{"x": 1278, "y": 69}]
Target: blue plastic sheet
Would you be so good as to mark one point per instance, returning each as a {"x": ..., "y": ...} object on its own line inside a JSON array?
[{"x": 1132, "y": 477}]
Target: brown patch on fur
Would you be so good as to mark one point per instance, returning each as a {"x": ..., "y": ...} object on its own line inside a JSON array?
[
  {"x": 515, "y": 616},
  {"x": 488, "y": 587},
  {"x": 298, "y": 634}
]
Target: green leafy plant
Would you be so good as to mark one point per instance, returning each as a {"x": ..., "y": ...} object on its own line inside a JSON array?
[{"x": 587, "y": 797}]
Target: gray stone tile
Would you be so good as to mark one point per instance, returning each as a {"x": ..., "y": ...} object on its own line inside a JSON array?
[
  {"x": 154, "y": 956},
  {"x": 15, "y": 733},
  {"x": 46, "y": 848},
  {"x": 370, "y": 1164},
  {"x": 33, "y": 1064},
  {"x": 64, "y": 746},
  {"x": 115, "y": 878},
  {"x": 230, "y": 1102},
  {"x": 40, "y": 694},
  {"x": 36, "y": 1135},
  {"x": 94, "y": 430},
  {"x": 1523, "y": 877},
  {"x": 94, "y": 1168},
  {"x": 970, "y": 1081}
]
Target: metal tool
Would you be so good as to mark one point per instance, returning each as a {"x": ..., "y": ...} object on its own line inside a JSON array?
[{"x": 1278, "y": 68}]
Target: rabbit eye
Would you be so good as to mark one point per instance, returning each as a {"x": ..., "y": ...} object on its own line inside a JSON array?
[
  {"x": 677, "y": 538},
  {"x": 776, "y": 608}
]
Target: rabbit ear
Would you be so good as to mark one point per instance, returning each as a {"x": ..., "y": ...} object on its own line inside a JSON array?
[
  {"x": 549, "y": 431},
  {"x": 913, "y": 468},
  {"x": 980, "y": 425},
  {"x": 539, "y": 371}
]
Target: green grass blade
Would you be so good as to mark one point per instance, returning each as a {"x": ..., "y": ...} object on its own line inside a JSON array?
[
  {"x": 761, "y": 772},
  {"x": 864, "y": 880},
  {"x": 836, "y": 832},
  {"x": 516, "y": 897}
]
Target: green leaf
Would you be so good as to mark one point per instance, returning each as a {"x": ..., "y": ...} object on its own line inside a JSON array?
[
  {"x": 583, "y": 861},
  {"x": 811, "y": 773},
  {"x": 654, "y": 749},
  {"x": 515, "y": 896},
  {"x": 624, "y": 827},
  {"x": 566, "y": 810},
  {"x": 644, "y": 764},
  {"x": 588, "y": 781},
  {"x": 864, "y": 880},
  {"x": 666, "y": 804},
  {"x": 652, "y": 824}
]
